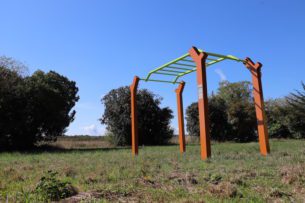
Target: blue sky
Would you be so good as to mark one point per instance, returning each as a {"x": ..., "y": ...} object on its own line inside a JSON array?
[{"x": 102, "y": 44}]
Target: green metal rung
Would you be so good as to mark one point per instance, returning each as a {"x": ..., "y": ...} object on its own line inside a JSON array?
[
  {"x": 172, "y": 71},
  {"x": 193, "y": 70},
  {"x": 179, "y": 68},
  {"x": 164, "y": 73},
  {"x": 171, "y": 62},
  {"x": 183, "y": 64},
  {"x": 176, "y": 66},
  {"x": 165, "y": 81},
  {"x": 187, "y": 60},
  {"x": 216, "y": 61}
]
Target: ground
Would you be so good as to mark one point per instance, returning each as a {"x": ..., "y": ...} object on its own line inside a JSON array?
[{"x": 235, "y": 173}]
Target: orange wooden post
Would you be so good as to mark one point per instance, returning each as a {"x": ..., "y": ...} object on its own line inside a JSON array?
[
  {"x": 179, "y": 91},
  {"x": 255, "y": 70},
  {"x": 134, "y": 118},
  {"x": 199, "y": 59}
]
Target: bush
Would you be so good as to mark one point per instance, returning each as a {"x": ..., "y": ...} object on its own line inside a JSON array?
[
  {"x": 51, "y": 188},
  {"x": 153, "y": 121}
]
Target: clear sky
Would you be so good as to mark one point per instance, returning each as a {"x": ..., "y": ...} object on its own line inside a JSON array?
[{"x": 102, "y": 44}]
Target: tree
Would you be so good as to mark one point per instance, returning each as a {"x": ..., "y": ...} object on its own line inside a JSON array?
[
  {"x": 286, "y": 115},
  {"x": 295, "y": 113},
  {"x": 192, "y": 119},
  {"x": 51, "y": 98},
  {"x": 231, "y": 113},
  {"x": 14, "y": 65},
  {"x": 219, "y": 127},
  {"x": 276, "y": 118},
  {"x": 240, "y": 109},
  {"x": 153, "y": 121},
  {"x": 12, "y": 103},
  {"x": 34, "y": 108}
]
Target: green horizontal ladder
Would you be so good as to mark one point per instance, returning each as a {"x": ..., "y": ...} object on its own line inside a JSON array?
[{"x": 185, "y": 65}]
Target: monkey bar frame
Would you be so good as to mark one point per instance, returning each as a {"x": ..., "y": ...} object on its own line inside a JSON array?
[{"x": 197, "y": 60}]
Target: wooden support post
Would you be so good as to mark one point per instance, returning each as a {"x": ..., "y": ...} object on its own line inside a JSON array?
[
  {"x": 255, "y": 70},
  {"x": 179, "y": 92},
  {"x": 134, "y": 118},
  {"x": 199, "y": 59}
]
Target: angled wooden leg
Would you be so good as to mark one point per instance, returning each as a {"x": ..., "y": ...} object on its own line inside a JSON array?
[
  {"x": 179, "y": 91},
  {"x": 255, "y": 70},
  {"x": 134, "y": 118},
  {"x": 199, "y": 59}
]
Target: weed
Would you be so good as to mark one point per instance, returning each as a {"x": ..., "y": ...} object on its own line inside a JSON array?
[{"x": 51, "y": 188}]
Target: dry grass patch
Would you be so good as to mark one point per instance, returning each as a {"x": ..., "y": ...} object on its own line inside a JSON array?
[
  {"x": 82, "y": 197},
  {"x": 223, "y": 190},
  {"x": 110, "y": 196},
  {"x": 69, "y": 171},
  {"x": 293, "y": 174},
  {"x": 184, "y": 178}
]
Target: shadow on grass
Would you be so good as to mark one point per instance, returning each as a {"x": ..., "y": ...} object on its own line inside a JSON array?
[{"x": 55, "y": 149}]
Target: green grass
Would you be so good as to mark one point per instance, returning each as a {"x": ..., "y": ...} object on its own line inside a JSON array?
[{"x": 235, "y": 173}]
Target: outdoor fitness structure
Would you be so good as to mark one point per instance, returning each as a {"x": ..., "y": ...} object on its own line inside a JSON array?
[{"x": 197, "y": 61}]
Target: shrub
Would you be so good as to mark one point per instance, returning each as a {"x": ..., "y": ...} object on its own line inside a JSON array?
[{"x": 51, "y": 188}]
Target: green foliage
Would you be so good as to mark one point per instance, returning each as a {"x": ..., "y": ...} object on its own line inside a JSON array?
[
  {"x": 192, "y": 120},
  {"x": 12, "y": 103},
  {"x": 296, "y": 113},
  {"x": 286, "y": 116},
  {"x": 153, "y": 121},
  {"x": 111, "y": 138},
  {"x": 219, "y": 126},
  {"x": 231, "y": 113},
  {"x": 276, "y": 118},
  {"x": 52, "y": 96},
  {"x": 34, "y": 108},
  {"x": 240, "y": 109},
  {"x": 51, "y": 188}
]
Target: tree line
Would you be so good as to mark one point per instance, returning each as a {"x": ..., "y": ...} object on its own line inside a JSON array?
[
  {"x": 231, "y": 113},
  {"x": 39, "y": 107}
]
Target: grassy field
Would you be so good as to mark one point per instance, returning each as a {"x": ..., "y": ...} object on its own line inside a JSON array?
[{"x": 235, "y": 173}]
